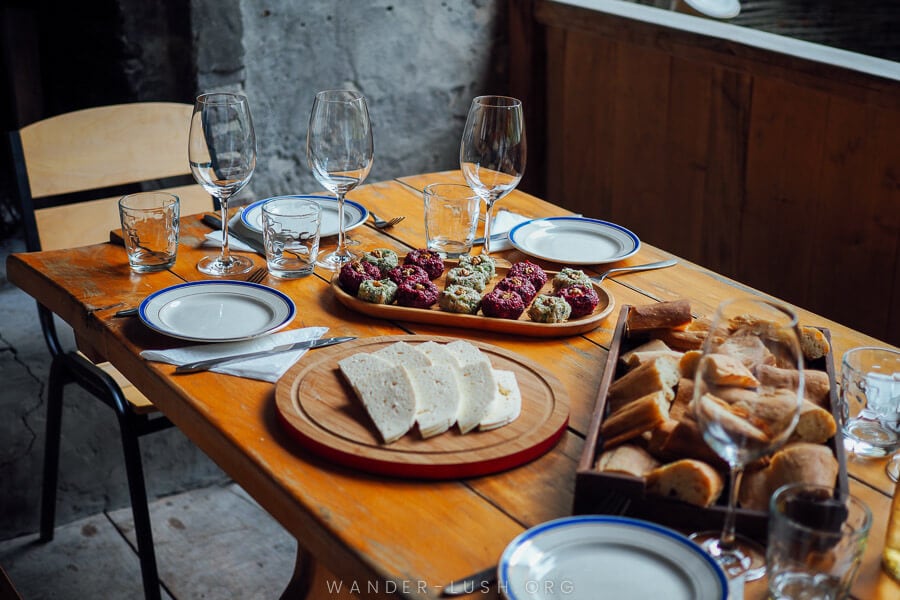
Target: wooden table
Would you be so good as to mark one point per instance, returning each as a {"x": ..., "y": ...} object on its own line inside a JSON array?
[{"x": 389, "y": 537}]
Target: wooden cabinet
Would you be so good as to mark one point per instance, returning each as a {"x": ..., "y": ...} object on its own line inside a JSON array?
[{"x": 767, "y": 159}]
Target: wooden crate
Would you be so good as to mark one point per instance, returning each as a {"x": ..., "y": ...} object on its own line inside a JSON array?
[{"x": 593, "y": 488}]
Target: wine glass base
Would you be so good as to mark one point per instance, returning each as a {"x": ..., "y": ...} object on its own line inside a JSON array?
[
  {"x": 213, "y": 265},
  {"x": 334, "y": 261},
  {"x": 893, "y": 467},
  {"x": 745, "y": 559}
]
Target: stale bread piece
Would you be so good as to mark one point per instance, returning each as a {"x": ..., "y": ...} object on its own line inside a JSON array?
[
  {"x": 688, "y": 480},
  {"x": 725, "y": 370},
  {"x": 662, "y": 315},
  {"x": 385, "y": 391},
  {"x": 634, "y": 419},
  {"x": 660, "y": 374},
  {"x": 816, "y": 384},
  {"x": 688, "y": 363},
  {"x": 682, "y": 439},
  {"x": 799, "y": 462},
  {"x": 689, "y": 338},
  {"x": 813, "y": 343},
  {"x": 627, "y": 459},
  {"x": 815, "y": 425},
  {"x": 771, "y": 411},
  {"x": 681, "y": 405},
  {"x": 732, "y": 419},
  {"x": 749, "y": 349}
]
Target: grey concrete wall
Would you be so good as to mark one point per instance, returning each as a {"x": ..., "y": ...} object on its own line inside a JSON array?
[{"x": 419, "y": 63}]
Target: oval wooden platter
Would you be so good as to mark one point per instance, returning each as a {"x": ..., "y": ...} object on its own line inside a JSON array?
[
  {"x": 521, "y": 326},
  {"x": 321, "y": 411}
]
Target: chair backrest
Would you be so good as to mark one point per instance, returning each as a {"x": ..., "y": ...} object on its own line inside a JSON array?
[{"x": 71, "y": 169}]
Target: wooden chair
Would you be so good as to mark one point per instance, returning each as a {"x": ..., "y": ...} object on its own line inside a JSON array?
[{"x": 70, "y": 172}]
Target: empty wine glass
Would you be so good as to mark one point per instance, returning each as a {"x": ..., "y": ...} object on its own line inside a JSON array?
[
  {"x": 492, "y": 151},
  {"x": 743, "y": 416},
  {"x": 339, "y": 148},
  {"x": 222, "y": 153}
]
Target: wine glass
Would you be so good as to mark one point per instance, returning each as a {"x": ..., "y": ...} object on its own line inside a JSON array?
[
  {"x": 339, "y": 148},
  {"x": 492, "y": 151},
  {"x": 741, "y": 415},
  {"x": 222, "y": 153}
]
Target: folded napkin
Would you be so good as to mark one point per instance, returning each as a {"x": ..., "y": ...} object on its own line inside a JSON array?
[
  {"x": 503, "y": 222},
  {"x": 266, "y": 368},
  {"x": 235, "y": 224}
]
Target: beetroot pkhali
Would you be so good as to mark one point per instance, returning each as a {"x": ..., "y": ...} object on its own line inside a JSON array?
[
  {"x": 411, "y": 273},
  {"x": 428, "y": 260},
  {"x": 529, "y": 271},
  {"x": 582, "y": 298},
  {"x": 417, "y": 294},
  {"x": 503, "y": 304},
  {"x": 520, "y": 285},
  {"x": 354, "y": 273}
]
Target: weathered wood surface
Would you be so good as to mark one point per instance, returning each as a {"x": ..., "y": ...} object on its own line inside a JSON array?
[
  {"x": 774, "y": 168},
  {"x": 405, "y": 537}
]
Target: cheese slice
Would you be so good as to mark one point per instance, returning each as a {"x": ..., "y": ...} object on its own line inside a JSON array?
[
  {"x": 386, "y": 392},
  {"x": 477, "y": 384},
  {"x": 507, "y": 403},
  {"x": 403, "y": 354},
  {"x": 435, "y": 386}
]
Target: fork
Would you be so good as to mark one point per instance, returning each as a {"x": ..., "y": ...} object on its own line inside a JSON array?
[
  {"x": 257, "y": 275},
  {"x": 384, "y": 224}
]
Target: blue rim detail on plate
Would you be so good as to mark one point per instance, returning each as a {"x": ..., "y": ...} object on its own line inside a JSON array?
[
  {"x": 288, "y": 303},
  {"x": 362, "y": 210},
  {"x": 635, "y": 242},
  {"x": 530, "y": 534}
]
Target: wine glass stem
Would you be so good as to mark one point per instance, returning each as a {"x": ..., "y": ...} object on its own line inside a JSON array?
[
  {"x": 342, "y": 240},
  {"x": 488, "y": 210},
  {"x": 225, "y": 255},
  {"x": 726, "y": 540}
]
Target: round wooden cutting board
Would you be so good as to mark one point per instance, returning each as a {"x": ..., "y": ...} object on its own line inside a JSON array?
[{"x": 320, "y": 409}]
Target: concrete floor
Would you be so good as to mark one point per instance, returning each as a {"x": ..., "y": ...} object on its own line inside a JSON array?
[{"x": 212, "y": 542}]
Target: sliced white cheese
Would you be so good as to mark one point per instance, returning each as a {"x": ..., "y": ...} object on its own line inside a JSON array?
[
  {"x": 437, "y": 395},
  {"x": 386, "y": 392},
  {"x": 403, "y": 354},
  {"x": 477, "y": 384},
  {"x": 507, "y": 403}
]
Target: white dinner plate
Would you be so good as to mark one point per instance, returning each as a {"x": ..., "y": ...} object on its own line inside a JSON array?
[
  {"x": 720, "y": 9},
  {"x": 574, "y": 240},
  {"x": 216, "y": 311},
  {"x": 355, "y": 214},
  {"x": 610, "y": 557}
]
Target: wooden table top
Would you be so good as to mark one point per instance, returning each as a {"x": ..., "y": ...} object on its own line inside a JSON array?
[{"x": 402, "y": 538}]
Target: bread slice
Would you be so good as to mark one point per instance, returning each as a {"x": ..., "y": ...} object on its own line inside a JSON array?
[
  {"x": 733, "y": 420},
  {"x": 816, "y": 384},
  {"x": 749, "y": 349},
  {"x": 799, "y": 462},
  {"x": 477, "y": 384},
  {"x": 815, "y": 425},
  {"x": 813, "y": 343},
  {"x": 662, "y": 315},
  {"x": 437, "y": 398},
  {"x": 628, "y": 459},
  {"x": 507, "y": 403},
  {"x": 688, "y": 480},
  {"x": 634, "y": 419},
  {"x": 659, "y": 375},
  {"x": 725, "y": 370},
  {"x": 386, "y": 392}
]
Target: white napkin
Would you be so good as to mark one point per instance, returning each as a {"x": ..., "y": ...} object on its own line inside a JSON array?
[
  {"x": 503, "y": 222},
  {"x": 266, "y": 368},
  {"x": 214, "y": 238}
]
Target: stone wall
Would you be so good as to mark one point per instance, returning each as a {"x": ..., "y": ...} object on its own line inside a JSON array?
[{"x": 418, "y": 63}]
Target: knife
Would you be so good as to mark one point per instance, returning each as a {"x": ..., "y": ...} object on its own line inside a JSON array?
[
  {"x": 481, "y": 581},
  {"x": 205, "y": 365},
  {"x": 216, "y": 223}
]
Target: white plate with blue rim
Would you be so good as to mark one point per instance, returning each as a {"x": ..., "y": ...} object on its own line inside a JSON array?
[
  {"x": 595, "y": 556},
  {"x": 355, "y": 214},
  {"x": 216, "y": 311},
  {"x": 574, "y": 240}
]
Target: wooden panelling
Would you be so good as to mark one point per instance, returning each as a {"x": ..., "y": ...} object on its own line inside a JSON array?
[{"x": 778, "y": 169}]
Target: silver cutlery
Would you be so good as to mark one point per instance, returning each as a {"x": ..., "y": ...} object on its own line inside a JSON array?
[
  {"x": 382, "y": 223},
  {"x": 647, "y": 267},
  {"x": 205, "y": 365}
]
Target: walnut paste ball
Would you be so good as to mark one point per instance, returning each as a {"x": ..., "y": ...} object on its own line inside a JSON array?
[
  {"x": 460, "y": 299},
  {"x": 582, "y": 298},
  {"x": 466, "y": 277},
  {"x": 569, "y": 276},
  {"x": 529, "y": 271},
  {"x": 480, "y": 262},
  {"x": 407, "y": 273},
  {"x": 417, "y": 294},
  {"x": 379, "y": 291},
  {"x": 549, "y": 309},
  {"x": 383, "y": 258},
  {"x": 354, "y": 273},
  {"x": 503, "y": 304},
  {"x": 519, "y": 285},
  {"x": 428, "y": 260}
]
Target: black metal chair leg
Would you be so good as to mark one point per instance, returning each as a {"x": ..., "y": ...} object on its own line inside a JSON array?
[
  {"x": 140, "y": 510},
  {"x": 55, "y": 384}
]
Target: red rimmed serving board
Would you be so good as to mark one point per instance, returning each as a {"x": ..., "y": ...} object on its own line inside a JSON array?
[
  {"x": 317, "y": 406},
  {"x": 521, "y": 326}
]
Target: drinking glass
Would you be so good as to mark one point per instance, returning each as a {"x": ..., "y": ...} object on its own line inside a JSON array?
[
  {"x": 492, "y": 151},
  {"x": 746, "y": 333},
  {"x": 222, "y": 153},
  {"x": 339, "y": 148}
]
